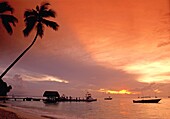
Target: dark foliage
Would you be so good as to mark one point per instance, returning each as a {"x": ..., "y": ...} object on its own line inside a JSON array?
[
  {"x": 7, "y": 19},
  {"x": 36, "y": 18}
]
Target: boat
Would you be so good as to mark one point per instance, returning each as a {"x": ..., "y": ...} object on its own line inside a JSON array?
[
  {"x": 108, "y": 98},
  {"x": 147, "y": 100},
  {"x": 89, "y": 98}
]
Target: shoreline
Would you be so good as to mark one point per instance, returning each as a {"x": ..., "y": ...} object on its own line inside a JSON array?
[{"x": 8, "y": 112}]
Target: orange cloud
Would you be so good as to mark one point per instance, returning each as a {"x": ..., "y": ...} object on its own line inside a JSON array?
[
  {"x": 150, "y": 71},
  {"x": 116, "y": 92},
  {"x": 157, "y": 91}
]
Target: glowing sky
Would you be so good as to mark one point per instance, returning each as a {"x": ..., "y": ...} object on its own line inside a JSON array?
[{"x": 112, "y": 46}]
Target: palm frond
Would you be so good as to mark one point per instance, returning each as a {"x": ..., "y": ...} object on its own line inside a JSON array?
[
  {"x": 7, "y": 27},
  {"x": 37, "y": 8},
  {"x": 30, "y": 23},
  {"x": 48, "y": 13},
  {"x": 29, "y": 12},
  {"x": 44, "y": 6},
  {"x": 4, "y": 6},
  {"x": 36, "y": 17},
  {"x": 40, "y": 29},
  {"x": 51, "y": 24},
  {"x": 7, "y": 20}
]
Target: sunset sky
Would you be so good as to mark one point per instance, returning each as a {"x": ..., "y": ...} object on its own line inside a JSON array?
[{"x": 102, "y": 46}]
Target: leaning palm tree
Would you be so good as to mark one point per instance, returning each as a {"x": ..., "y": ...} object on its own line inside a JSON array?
[
  {"x": 35, "y": 18},
  {"x": 7, "y": 19}
]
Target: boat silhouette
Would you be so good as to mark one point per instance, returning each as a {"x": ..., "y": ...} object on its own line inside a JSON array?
[{"x": 147, "y": 100}]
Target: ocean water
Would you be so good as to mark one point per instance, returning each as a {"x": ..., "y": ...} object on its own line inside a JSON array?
[{"x": 117, "y": 108}]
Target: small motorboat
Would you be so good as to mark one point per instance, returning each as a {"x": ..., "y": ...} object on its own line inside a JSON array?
[
  {"x": 108, "y": 98},
  {"x": 89, "y": 98},
  {"x": 147, "y": 100}
]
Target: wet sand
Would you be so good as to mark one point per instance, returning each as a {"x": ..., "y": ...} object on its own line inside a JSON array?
[
  {"x": 7, "y": 115},
  {"x": 7, "y": 112}
]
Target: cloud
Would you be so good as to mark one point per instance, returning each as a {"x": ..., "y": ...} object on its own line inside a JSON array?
[
  {"x": 42, "y": 77},
  {"x": 120, "y": 53},
  {"x": 72, "y": 70},
  {"x": 116, "y": 92},
  {"x": 17, "y": 84},
  {"x": 150, "y": 71},
  {"x": 22, "y": 87},
  {"x": 163, "y": 44}
]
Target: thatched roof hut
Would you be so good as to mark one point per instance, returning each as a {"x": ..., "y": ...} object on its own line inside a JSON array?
[{"x": 51, "y": 94}]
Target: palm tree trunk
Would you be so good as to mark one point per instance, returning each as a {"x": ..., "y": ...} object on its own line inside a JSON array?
[{"x": 19, "y": 57}]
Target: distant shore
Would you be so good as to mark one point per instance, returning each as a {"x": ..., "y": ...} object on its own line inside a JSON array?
[{"x": 7, "y": 112}]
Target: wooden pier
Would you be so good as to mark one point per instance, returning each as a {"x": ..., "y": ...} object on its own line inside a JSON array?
[
  {"x": 45, "y": 100},
  {"x": 49, "y": 97},
  {"x": 5, "y": 98}
]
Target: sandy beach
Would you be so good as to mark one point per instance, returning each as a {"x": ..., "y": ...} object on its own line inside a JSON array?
[
  {"x": 8, "y": 115},
  {"x": 7, "y": 112}
]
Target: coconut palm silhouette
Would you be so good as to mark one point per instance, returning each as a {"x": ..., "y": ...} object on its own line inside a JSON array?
[
  {"x": 6, "y": 18},
  {"x": 35, "y": 18}
]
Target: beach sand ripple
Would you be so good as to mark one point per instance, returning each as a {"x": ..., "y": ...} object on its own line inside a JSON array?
[{"x": 8, "y": 115}]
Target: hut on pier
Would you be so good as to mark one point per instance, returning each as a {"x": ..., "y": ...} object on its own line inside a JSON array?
[{"x": 51, "y": 96}]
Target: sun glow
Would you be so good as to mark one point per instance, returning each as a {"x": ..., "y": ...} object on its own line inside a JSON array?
[
  {"x": 116, "y": 92},
  {"x": 150, "y": 71},
  {"x": 157, "y": 91},
  {"x": 51, "y": 78}
]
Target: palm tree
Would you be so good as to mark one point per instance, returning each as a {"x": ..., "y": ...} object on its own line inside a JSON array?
[
  {"x": 35, "y": 18},
  {"x": 7, "y": 19}
]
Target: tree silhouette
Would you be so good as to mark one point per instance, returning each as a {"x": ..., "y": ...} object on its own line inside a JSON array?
[
  {"x": 7, "y": 19},
  {"x": 35, "y": 18}
]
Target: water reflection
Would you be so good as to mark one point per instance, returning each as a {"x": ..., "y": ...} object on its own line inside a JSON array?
[{"x": 117, "y": 108}]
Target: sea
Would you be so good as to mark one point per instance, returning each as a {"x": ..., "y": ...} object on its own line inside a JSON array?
[{"x": 117, "y": 108}]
